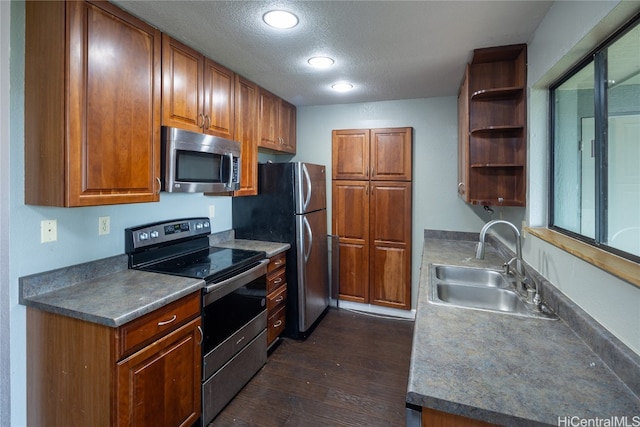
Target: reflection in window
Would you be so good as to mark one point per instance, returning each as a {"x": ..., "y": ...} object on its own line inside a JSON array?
[{"x": 596, "y": 147}]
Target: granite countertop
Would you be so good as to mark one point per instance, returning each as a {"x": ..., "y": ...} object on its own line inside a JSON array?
[
  {"x": 103, "y": 291},
  {"x": 108, "y": 293},
  {"x": 500, "y": 368},
  {"x": 270, "y": 248}
]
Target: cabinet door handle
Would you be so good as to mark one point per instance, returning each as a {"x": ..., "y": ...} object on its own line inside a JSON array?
[
  {"x": 280, "y": 298},
  {"x": 277, "y": 324},
  {"x": 206, "y": 122},
  {"x": 200, "y": 117},
  {"x": 373, "y": 171},
  {"x": 201, "y": 335},
  {"x": 366, "y": 171},
  {"x": 159, "y": 184},
  {"x": 461, "y": 188},
  {"x": 166, "y": 322}
]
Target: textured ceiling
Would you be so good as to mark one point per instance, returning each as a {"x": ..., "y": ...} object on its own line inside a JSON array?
[{"x": 386, "y": 49}]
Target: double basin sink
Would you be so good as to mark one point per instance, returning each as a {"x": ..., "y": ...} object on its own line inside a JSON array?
[{"x": 481, "y": 289}]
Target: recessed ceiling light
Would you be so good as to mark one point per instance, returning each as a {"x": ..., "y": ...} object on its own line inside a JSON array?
[
  {"x": 342, "y": 87},
  {"x": 280, "y": 19},
  {"x": 321, "y": 62}
]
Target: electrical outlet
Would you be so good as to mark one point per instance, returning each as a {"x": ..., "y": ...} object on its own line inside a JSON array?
[
  {"x": 104, "y": 225},
  {"x": 524, "y": 231},
  {"x": 48, "y": 230},
  {"x": 212, "y": 211}
]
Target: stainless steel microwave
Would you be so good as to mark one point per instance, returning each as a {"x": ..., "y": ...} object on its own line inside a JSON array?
[{"x": 197, "y": 163}]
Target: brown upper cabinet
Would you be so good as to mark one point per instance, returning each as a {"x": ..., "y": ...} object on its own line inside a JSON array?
[
  {"x": 492, "y": 120},
  {"x": 372, "y": 154},
  {"x": 277, "y": 123},
  {"x": 92, "y": 105},
  {"x": 197, "y": 94},
  {"x": 247, "y": 134}
]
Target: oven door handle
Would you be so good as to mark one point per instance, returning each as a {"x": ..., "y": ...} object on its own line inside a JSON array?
[{"x": 216, "y": 291}]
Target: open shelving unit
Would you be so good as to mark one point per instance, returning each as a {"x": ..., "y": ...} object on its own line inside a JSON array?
[{"x": 492, "y": 136}]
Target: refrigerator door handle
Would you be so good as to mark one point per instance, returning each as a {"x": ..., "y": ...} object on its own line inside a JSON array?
[
  {"x": 309, "y": 245},
  {"x": 307, "y": 182}
]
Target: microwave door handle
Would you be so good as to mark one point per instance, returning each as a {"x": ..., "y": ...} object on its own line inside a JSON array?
[{"x": 230, "y": 181}]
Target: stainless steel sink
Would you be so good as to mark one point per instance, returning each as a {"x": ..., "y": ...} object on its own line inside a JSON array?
[
  {"x": 481, "y": 289},
  {"x": 471, "y": 276}
]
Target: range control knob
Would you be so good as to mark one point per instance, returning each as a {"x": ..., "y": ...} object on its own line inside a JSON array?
[
  {"x": 143, "y": 236},
  {"x": 206, "y": 224},
  {"x": 198, "y": 225},
  {"x": 154, "y": 234}
]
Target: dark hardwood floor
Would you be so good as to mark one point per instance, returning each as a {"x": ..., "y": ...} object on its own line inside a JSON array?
[{"x": 351, "y": 371}]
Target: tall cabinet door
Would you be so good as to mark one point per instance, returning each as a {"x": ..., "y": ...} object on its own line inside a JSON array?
[
  {"x": 390, "y": 267},
  {"x": 113, "y": 107},
  {"x": 391, "y": 154},
  {"x": 351, "y": 223},
  {"x": 350, "y": 154},
  {"x": 246, "y": 132}
]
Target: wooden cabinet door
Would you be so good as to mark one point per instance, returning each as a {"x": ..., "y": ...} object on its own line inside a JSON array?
[
  {"x": 390, "y": 154},
  {"x": 390, "y": 267},
  {"x": 160, "y": 384},
  {"x": 246, "y": 122},
  {"x": 463, "y": 137},
  {"x": 182, "y": 86},
  {"x": 268, "y": 118},
  {"x": 287, "y": 119},
  {"x": 113, "y": 131},
  {"x": 219, "y": 96},
  {"x": 350, "y": 154},
  {"x": 351, "y": 223}
]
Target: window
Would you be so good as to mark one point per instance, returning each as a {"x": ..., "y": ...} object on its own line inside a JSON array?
[{"x": 595, "y": 113}]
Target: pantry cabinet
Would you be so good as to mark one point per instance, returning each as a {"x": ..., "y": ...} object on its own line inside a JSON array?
[
  {"x": 197, "y": 93},
  {"x": 146, "y": 372},
  {"x": 372, "y": 154},
  {"x": 492, "y": 117},
  {"x": 277, "y": 120},
  {"x": 246, "y": 133},
  {"x": 92, "y": 105},
  {"x": 372, "y": 214}
]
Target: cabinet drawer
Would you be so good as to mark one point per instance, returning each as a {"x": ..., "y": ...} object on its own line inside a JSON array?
[
  {"x": 276, "y": 324},
  {"x": 276, "y": 280},
  {"x": 276, "y": 299},
  {"x": 136, "y": 333},
  {"x": 277, "y": 261}
]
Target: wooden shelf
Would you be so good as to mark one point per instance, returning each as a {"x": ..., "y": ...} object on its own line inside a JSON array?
[
  {"x": 492, "y": 114},
  {"x": 496, "y": 93}
]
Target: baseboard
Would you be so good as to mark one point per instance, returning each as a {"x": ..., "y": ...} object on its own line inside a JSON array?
[{"x": 377, "y": 310}]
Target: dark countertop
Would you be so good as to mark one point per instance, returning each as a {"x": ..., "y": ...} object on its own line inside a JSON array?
[
  {"x": 500, "y": 368},
  {"x": 103, "y": 291},
  {"x": 108, "y": 293},
  {"x": 270, "y": 248}
]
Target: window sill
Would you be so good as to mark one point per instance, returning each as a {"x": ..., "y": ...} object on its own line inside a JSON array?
[{"x": 618, "y": 266}]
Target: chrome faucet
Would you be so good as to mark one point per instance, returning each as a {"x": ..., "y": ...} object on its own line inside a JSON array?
[{"x": 520, "y": 275}]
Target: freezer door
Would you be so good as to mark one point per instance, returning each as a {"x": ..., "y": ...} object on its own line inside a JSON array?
[
  {"x": 313, "y": 265},
  {"x": 310, "y": 187}
]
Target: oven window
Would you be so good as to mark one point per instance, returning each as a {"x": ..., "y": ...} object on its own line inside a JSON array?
[{"x": 194, "y": 166}]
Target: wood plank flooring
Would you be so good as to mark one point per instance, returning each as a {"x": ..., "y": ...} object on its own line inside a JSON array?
[{"x": 352, "y": 371}]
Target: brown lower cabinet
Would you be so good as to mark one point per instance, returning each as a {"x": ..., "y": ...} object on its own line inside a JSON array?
[
  {"x": 144, "y": 373},
  {"x": 276, "y": 296},
  {"x": 433, "y": 418}
]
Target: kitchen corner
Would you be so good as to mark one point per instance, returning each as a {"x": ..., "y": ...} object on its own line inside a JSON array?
[{"x": 512, "y": 370}]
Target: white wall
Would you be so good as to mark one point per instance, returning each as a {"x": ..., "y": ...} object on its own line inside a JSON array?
[
  {"x": 5, "y": 375},
  {"x": 567, "y": 33},
  {"x": 434, "y": 121}
]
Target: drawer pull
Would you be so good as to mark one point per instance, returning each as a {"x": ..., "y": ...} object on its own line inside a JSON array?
[
  {"x": 277, "y": 281},
  {"x": 278, "y": 262},
  {"x": 166, "y": 322},
  {"x": 277, "y": 324},
  {"x": 280, "y": 298}
]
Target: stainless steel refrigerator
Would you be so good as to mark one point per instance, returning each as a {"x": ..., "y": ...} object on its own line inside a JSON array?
[{"x": 291, "y": 207}]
